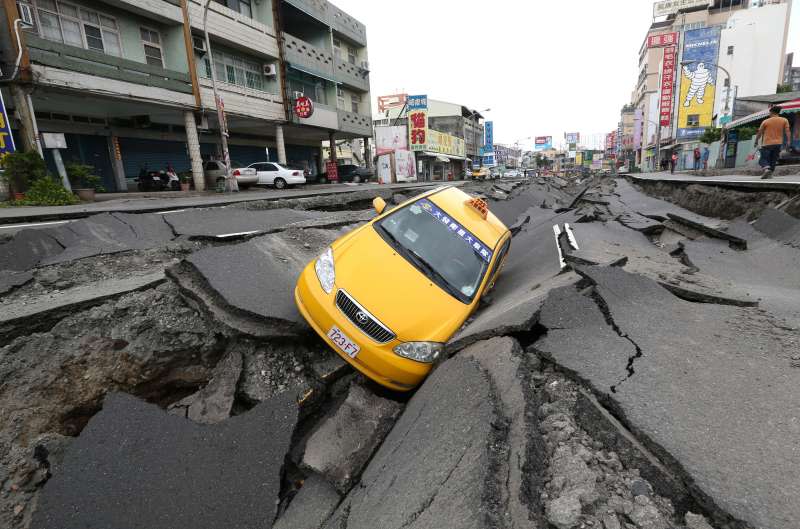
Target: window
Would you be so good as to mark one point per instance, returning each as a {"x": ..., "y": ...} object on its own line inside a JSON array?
[
  {"x": 152, "y": 47},
  {"x": 311, "y": 86},
  {"x": 339, "y": 98},
  {"x": 693, "y": 120},
  {"x": 246, "y": 8},
  {"x": 730, "y": 50},
  {"x": 501, "y": 255},
  {"x": 355, "y": 102},
  {"x": 337, "y": 48},
  {"x": 269, "y": 167},
  {"x": 85, "y": 28},
  {"x": 235, "y": 70},
  {"x": 351, "y": 55}
]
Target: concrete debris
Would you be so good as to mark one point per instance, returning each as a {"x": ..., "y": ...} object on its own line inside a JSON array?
[
  {"x": 135, "y": 466},
  {"x": 273, "y": 368},
  {"x": 311, "y": 506},
  {"x": 341, "y": 446},
  {"x": 214, "y": 402},
  {"x": 12, "y": 280},
  {"x": 697, "y": 521}
]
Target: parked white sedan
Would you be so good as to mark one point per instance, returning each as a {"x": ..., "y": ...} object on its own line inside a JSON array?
[
  {"x": 273, "y": 174},
  {"x": 215, "y": 169}
]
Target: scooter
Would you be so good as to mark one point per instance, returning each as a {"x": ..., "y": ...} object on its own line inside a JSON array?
[{"x": 151, "y": 180}]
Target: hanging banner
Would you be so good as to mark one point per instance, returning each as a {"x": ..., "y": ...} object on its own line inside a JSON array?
[
  {"x": 543, "y": 143},
  {"x": 638, "y": 117},
  {"x": 488, "y": 144},
  {"x": 667, "y": 85},
  {"x": 417, "y": 122},
  {"x": 698, "y": 80}
]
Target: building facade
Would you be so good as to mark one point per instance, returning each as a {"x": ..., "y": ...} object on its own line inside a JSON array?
[
  {"x": 734, "y": 33},
  {"x": 129, "y": 81}
]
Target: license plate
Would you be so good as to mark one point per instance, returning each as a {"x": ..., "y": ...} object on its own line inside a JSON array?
[{"x": 348, "y": 346}]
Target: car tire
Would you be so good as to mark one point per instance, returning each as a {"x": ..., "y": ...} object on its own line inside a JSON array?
[
  {"x": 356, "y": 179},
  {"x": 280, "y": 183}
]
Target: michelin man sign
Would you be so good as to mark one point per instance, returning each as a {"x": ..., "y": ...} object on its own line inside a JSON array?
[{"x": 698, "y": 82}]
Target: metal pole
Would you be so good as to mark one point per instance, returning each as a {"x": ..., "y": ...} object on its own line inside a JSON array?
[{"x": 230, "y": 181}]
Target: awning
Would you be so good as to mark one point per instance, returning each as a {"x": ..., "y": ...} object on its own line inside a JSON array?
[
  {"x": 444, "y": 158},
  {"x": 788, "y": 107}
]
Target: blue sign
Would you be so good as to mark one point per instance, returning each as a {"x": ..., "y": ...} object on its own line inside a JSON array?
[
  {"x": 417, "y": 102},
  {"x": 488, "y": 131},
  {"x": 6, "y": 138},
  {"x": 698, "y": 82},
  {"x": 483, "y": 251}
]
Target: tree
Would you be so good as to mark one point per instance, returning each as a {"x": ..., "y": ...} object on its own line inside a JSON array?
[
  {"x": 783, "y": 88},
  {"x": 711, "y": 135}
]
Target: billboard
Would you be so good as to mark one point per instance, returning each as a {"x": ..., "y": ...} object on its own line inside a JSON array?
[
  {"x": 579, "y": 158},
  {"x": 698, "y": 80},
  {"x": 573, "y": 137},
  {"x": 668, "y": 7},
  {"x": 667, "y": 85},
  {"x": 389, "y": 139},
  {"x": 6, "y": 138},
  {"x": 488, "y": 143},
  {"x": 446, "y": 144},
  {"x": 543, "y": 142},
  {"x": 663, "y": 40},
  {"x": 404, "y": 166},
  {"x": 417, "y": 122}
]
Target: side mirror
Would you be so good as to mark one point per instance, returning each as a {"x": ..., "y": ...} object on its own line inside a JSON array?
[{"x": 379, "y": 204}]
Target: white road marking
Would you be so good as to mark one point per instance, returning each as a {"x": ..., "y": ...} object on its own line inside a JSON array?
[
  {"x": 571, "y": 236},
  {"x": 168, "y": 212},
  {"x": 557, "y": 232},
  {"x": 239, "y": 234},
  {"x": 10, "y": 226}
]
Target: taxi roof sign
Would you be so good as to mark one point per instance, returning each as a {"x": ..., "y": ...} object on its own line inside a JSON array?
[{"x": 479, "y": 205}]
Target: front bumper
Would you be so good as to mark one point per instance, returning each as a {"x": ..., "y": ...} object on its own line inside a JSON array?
[{"x": 376, "y": 361}]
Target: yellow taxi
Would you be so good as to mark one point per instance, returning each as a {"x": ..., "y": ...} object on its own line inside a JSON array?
[{"x": 388, "y": 295}]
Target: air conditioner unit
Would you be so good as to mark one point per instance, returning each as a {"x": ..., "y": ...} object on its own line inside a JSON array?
[
  {"x": 365, "y": 65},
  {"x": 270, "y": 70},
  {"x": 26, "y": 14},
  {"x": 297, "y": 95},
  {"x": 199, "y": 44}
]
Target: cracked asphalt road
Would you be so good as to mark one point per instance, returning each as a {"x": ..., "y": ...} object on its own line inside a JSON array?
[{"x": 649, "y": 382}]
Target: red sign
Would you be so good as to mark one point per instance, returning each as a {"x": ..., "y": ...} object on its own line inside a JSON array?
[
  {"x": 332, "y": 171},
  {"x": 303, "y": 107},
  {"x": 418, "y": 129},
  {"x": 660, "y": 41},
  {"x": 667, "y": 86}
]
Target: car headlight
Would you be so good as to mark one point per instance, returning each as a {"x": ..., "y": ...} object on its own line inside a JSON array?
[
  {"x": 325, "y": 270},
  {"x": 426, "y": 352}
]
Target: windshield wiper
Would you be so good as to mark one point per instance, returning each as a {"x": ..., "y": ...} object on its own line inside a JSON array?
[{"x": 431, "y": 271}]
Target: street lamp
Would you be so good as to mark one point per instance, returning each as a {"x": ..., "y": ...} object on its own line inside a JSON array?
[
  {"x": 723, "y": 132},
  {"x": 230, "y": 181}
]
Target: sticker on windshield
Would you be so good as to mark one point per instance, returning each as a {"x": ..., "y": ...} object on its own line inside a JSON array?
[
  {"x": 468, "y": 290},
  {"x": 415, "y": 209},
  {"x": 483, "y": 251},
  {"x": 411, "y": 235}
]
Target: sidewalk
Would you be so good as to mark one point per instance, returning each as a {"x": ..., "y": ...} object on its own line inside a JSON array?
[
  {"x": 167, "y": 200},
  {"x": 777, "y": 183}
]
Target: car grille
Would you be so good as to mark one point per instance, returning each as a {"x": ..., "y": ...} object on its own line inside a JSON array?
[{"x": 368, "y": 324}]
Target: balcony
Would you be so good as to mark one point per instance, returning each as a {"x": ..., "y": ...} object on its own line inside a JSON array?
[
  {"x": 307, "y": 57},
  {"x": 165, "y": 11},
  {"x": 353, "y": 123},
  {"x": 352, "y": 76},
  {"x": 315, "y": 8},
  {"x": 98, "y": 64},
  {"x": 348, "y": 26},
  {"x": 235, "y": 29},
  {"x": 324, "y": 117}
]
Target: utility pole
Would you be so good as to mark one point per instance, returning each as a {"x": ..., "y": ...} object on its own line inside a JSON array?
[{"x": 230, "y": 180}]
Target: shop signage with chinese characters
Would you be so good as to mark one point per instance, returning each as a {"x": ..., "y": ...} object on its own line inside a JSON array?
[
  {"x": 543, "y": 142},
  {"x": 439, "y": 142},
  {"x": 303, "y": 107},
  {"x": 667, "y": 85},
  {"x": 668, "y": 7},
  {"x": 662, "y": 41},
  {"x": 417, "y": 122},
  {"x": 6, "y": 138}
]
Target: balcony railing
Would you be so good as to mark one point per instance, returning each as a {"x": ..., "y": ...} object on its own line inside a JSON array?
[
  {"x": 352, "y": 75},
  {"x": 318, "y": 9},
  {"x": 72, "y": 58},
  {"x": 308, "y": 57},
  {"x": 355, "y": 123}
]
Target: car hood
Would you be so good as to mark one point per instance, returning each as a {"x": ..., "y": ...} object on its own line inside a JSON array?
[{"x": 394, "y": 291}]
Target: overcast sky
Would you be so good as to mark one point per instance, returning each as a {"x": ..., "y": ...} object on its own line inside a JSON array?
[{"x": 544, "y": 67}]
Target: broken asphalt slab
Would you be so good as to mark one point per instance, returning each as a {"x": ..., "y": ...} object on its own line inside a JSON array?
[
  {"x": 437, "y": 466},
  {"x": 11, "y": 280},
  {"x": 27, "y": 249},
  {"x": 779, "y": 226},
  {"x": 136, "y": 466},
  {"x": 342, "y": 445},
  {"x": 230, "y": 221},
  {"x": 712, "y": 394},
  {"x": 257, "y": 278},
  {"x": 311, "y": 506}
]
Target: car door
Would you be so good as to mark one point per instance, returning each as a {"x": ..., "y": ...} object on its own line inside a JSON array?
[
  {"x": 259, "y": 173},
  {"x": 270, "y": 171}
]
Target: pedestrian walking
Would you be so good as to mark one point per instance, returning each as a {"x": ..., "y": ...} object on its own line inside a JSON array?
[
  {"x": 673, "y": 160},
  {"x": 697, "y": 156},
  {"x": 771, "y": 135},
  {"x": 706, "y": 154}
]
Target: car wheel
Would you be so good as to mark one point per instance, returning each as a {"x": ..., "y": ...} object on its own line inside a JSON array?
[
  {"x": 356, "y": 179},
  {"x": 280, "y": 183}
]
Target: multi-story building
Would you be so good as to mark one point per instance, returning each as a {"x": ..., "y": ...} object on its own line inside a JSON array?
[
  {"x": 791, "y": 74},
  {"x": 752, "y": 42},
  {"x": 129, "y": 81}
]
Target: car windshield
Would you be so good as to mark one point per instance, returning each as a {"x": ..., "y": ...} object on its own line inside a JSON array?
[{"x": 438, "y": 246}]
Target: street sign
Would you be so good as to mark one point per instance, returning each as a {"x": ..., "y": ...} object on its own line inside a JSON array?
[
  {"x": 303, "y": 107},
  {"x": 332, "y": 170},
  {"x": 6, "y": 138},
  {"x": 54, "y": 140}
]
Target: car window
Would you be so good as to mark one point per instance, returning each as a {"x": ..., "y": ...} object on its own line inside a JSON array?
[
  {"x": 269, "y": 167},
  {"x": 501, "y": 254},
  {"x": 258, "y": 166},
  {"x": 438, "y": 246}
]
